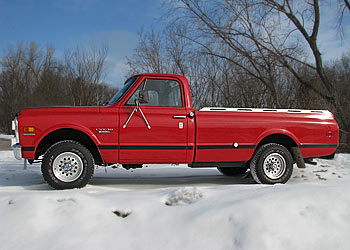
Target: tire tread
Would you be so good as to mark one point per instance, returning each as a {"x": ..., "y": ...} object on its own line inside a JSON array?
[{"x": 256, "y": 157}]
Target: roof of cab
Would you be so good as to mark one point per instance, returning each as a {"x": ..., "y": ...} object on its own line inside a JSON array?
[{"x": 160, "y": 74}]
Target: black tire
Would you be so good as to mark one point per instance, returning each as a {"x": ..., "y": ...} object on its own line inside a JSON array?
[
  {"x": 271, "y": 163},
  {"x": 232, "y": 171},
  {"x": 67, "y": 164}
]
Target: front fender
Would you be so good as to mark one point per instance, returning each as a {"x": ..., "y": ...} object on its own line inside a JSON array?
[{"x": 83, "y": 129}]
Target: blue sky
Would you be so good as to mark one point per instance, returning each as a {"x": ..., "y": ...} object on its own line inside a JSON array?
[{"x": 66, "y": 23}]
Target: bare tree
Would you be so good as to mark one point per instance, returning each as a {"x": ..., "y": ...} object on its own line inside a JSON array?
[
  {"x": 19, "y": 75},
  {"x": 343, "y": 9},
  {"x": 346, "y": 4},
  {"x": 31, "y": 76},
  {"x": 148, "y": 56},
  {"x": 262, "y": 35},
  {"x": 84, "y": 70}
]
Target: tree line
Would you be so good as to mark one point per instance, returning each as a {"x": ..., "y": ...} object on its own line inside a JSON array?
[
  {"x": 31, "y": 76},
  {"x": 251, "y": 53}
]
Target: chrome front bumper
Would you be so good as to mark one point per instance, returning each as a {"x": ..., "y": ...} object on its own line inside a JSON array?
[
  {"x": 17, "y": 152},
  {"x": 16, "y": 147}
]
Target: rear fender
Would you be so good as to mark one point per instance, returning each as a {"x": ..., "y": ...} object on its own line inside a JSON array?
[{"x": 277, "y": 131}]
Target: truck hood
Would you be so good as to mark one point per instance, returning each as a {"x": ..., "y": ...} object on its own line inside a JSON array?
[{"x": 52, "y": 110}]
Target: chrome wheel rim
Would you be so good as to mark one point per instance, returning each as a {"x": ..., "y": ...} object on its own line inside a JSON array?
[
  {"x": 274, "y": 166},
  {"x": 68, "y": 167}
]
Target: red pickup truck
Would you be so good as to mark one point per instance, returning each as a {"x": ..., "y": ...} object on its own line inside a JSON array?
[{"x": 151, "y": 120}]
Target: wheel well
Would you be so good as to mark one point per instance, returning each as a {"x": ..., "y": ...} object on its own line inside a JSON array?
[
  {"x": 284, "y": 140},
  {"x": 68, "y": 134}
]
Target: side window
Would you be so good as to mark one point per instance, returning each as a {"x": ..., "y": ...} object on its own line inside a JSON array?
[{"x": 165, "y": 93}]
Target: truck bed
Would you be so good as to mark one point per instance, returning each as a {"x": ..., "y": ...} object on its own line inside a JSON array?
[{"x": 238, "y": 131}]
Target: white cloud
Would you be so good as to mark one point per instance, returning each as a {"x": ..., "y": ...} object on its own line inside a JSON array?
[
  {"x": 331, "y": 46},
  {"x": 121, "y": 44},
  {"x": 329, "y": 39},
  {"x": 116, "y": 72}
]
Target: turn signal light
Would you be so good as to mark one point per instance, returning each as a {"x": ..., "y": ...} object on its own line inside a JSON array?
[{"x": 29, "y": 129}]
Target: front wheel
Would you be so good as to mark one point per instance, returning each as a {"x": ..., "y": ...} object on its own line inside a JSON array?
[
  {"x": 272, "y": 163},
  {"x": 67, "y": 164}
]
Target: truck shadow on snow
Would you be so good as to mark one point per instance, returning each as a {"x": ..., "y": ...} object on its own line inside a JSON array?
[
  {"x": 169, "y": 181},
  {"x": 35, "y": 182},
  {"x": 14, "y": 176},
  {"x": 26, "y": 180}
]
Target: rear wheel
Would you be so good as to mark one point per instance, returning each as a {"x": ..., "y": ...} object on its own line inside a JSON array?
[
  {"x": 232, "y": 171},
  {"x": 67, "y": 164},
  {"x": 271, "y": 163}
]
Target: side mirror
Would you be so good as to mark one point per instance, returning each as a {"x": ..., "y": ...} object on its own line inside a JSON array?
[{"x": 143, "y": 97}]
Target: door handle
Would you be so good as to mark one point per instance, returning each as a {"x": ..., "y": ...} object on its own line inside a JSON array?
[{"x": 179, "y": 117}]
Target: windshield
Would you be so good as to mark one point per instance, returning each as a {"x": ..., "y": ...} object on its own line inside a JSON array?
[{"x": 123, "y": 91}]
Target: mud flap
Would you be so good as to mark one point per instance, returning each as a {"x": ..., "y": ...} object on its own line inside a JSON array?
[{"x": 298, "y": 157}]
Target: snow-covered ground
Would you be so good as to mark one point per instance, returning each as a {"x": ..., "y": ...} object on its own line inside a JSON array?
[
  {"x": 7, "y": 137},
  {"x": 175, "y": 207}
]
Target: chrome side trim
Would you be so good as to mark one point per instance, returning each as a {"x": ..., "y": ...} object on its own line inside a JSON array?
[{"x": 266, "y": 110}]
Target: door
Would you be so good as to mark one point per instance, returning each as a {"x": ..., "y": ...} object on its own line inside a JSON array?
[{"x": 157, "y": 131}]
